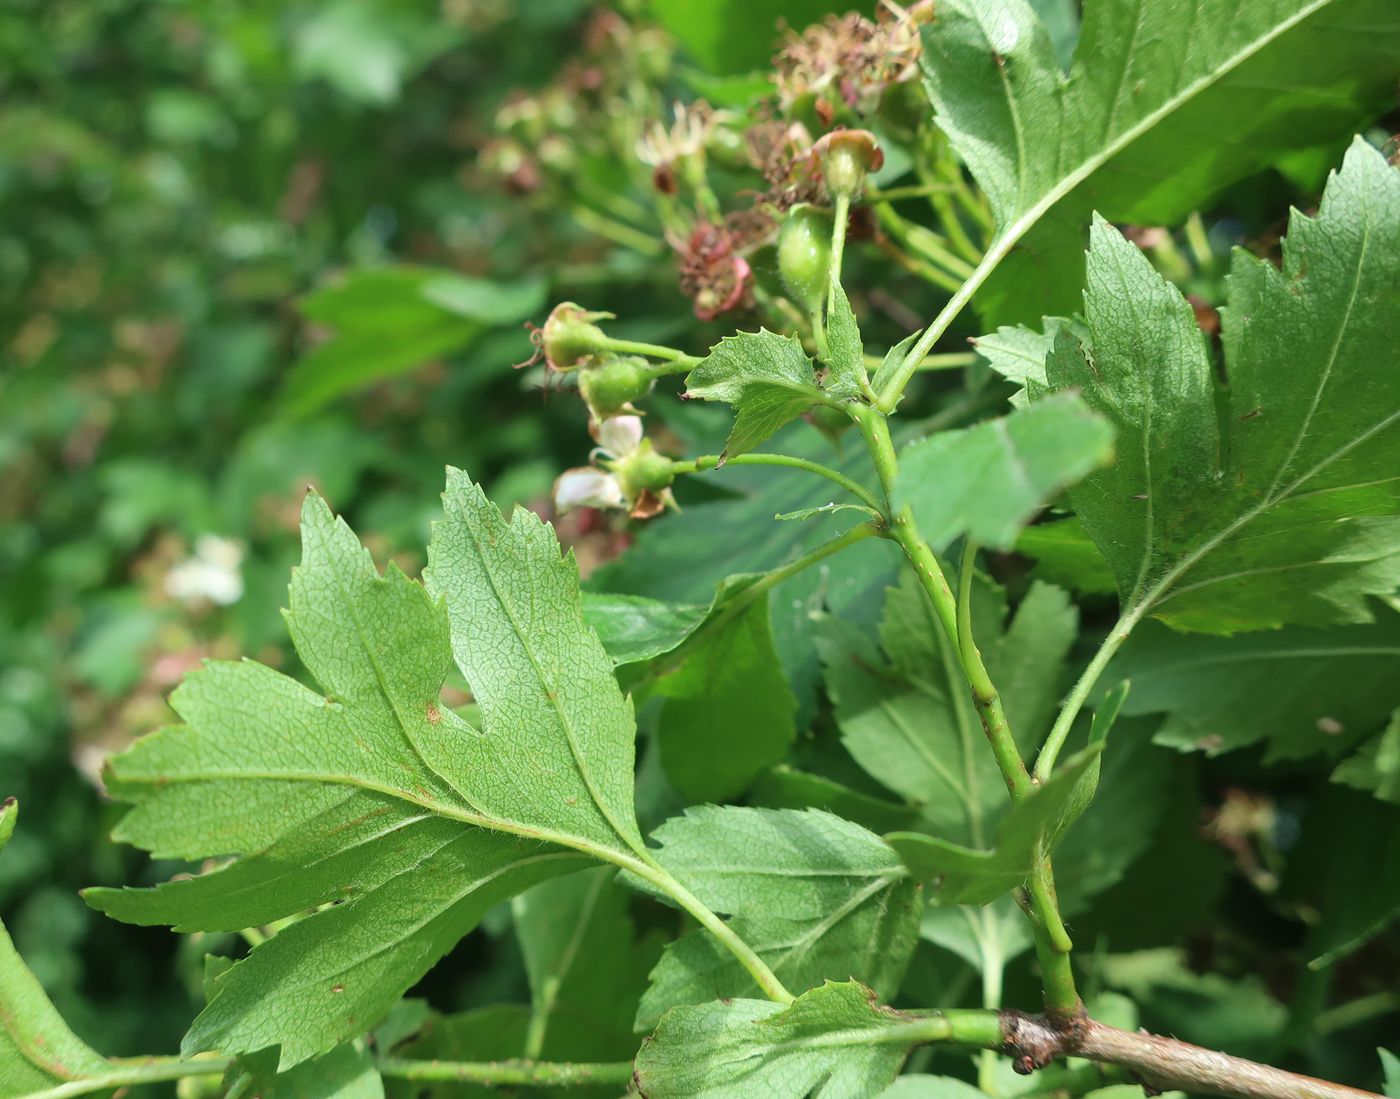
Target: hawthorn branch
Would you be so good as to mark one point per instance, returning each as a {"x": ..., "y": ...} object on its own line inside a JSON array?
[
  {"x": 1158, "y": 1063},
  {"x": 511, "y": 1073}
]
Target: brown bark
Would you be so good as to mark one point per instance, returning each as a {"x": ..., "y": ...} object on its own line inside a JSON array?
[{"x": 1158, "y": 1063}]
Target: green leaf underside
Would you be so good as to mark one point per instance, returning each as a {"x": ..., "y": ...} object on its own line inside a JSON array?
[
  {"x": 907, "y": 719},
  {"x": 586, "y": 970},
  {"x": 816, "y": 896},
  {"x": 988, "y": 481},
  {"x": 1094, "y": 852},
  {"x": 767, "y": 378},
  {"x": 915, "y": 1086},
  {"x": 1149, "y": 123},
  {"x": 1376, "y": 766},
  {"x": 558, "y": 749},
  {"x": 1301, "y": 691},
  {"x": 729, "y": 713},
  {"x": 633, "y": 628},
  {"x": 1354, "y": 887},
  {"x": 831, "y": 1043},
  {"x": 846, "y": 366},
  {"x": 37, "y": 1050},
  {"x": 1391, "y": 1064},
  {"x": 694, "y": 552},
  {"x": 343, "y": 798},
  {"x": 1291, "y": 512},
  {"x": 343, "y": 1073},
  {"x": 1018, "y": 353},
  {"x": 962, "y": 875},
  {"x": 1065, "y": 555}
]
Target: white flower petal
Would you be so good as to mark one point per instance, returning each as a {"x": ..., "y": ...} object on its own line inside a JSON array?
[
  {"x": 620, "y": 435},
  {"x": 587, "y": 488}
]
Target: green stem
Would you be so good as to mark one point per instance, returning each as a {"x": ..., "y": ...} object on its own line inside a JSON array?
[
  {"x": 993, "y": 973},
  {"x": 972, "y": 1027},
  {"x": 149, "y": 1070},
  {"x": 1354, "y": 1012},
  {"x": 1198, "y": 241},
  {"x": 616, "y": 202},
  {"x": 924, "y": 241},
  {"x": 967, "y": 647},
  {"x": 875, "y": 428},
  {"x": 1059, "y": 732},
  {"x": 616, "y": 231},
  {"x": 919, "y": 267},
  {"x": 651, "y": 350},
  {"x": 774, "y": 577},
  {"x": 951, "y": 224},
  {"x": 1052, "y": 943},
  {"x": 509, "y": 1073},
  {"x": 712, "y": 461},
  {"x": 895, "y": 194},
  {"x": 819, "y": 334},
  {"x": 841, "y": 215},
  {"x": 757, "y": 968},
  {"x": 952, "y": 360}
]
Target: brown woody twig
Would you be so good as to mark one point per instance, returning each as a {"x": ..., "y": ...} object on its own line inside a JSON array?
[{"x": 1158, "y": 1063}]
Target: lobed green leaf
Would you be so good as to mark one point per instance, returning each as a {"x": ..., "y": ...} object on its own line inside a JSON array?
[
  {"x": 336, "y": 801},
  {"x": 1290, "y": 511},
  {"x": 816, "y": 896},
  {"x": 37, "y": 1049},
  {"x": 827, "y": 1044},
  {"x": 987, "y": 481},
  {"x": 963, "y": 875},
  {"x": 1147, "y": 125},
  {"x": 767, "y": 378}
]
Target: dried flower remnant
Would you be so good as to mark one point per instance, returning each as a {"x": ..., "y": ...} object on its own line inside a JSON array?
[
  {"x": 853, "y": 58},
  {"x": 685, "y": 139},
  {"x": 713, "y": 273}
]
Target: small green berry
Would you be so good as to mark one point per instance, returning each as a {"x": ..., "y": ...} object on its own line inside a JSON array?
[
  {"x": 804, "y": 255},
  {"x": 570, "y": 337},
  {"x": 612, "y": 385},
  {"x": 845, "y": 157},
  {"x": 644, "y": 471}
]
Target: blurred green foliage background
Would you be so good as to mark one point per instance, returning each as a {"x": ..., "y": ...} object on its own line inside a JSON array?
[{"x": 175, "y": 177}]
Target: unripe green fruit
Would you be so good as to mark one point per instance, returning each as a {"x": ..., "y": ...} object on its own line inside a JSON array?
[
  {"x": 610, "y": 386},
  {"x": 846, "y": 156},
  {"x": 804, "y": 255},
  {"x": 569, "y": 336},
  {"x": 644, "y": 471}
]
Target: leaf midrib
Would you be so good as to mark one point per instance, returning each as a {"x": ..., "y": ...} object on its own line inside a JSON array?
[
  {"x": 1168, "y": 107},
  {"x": 352, "y": 609},
  {"x": 1155, "y": 595},
  {"x": 333, "y": 778},
  {"x": 466, "y": 890},
  {"x": 580, "y": 765},
  {"x": 1007, "y": 239}
]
